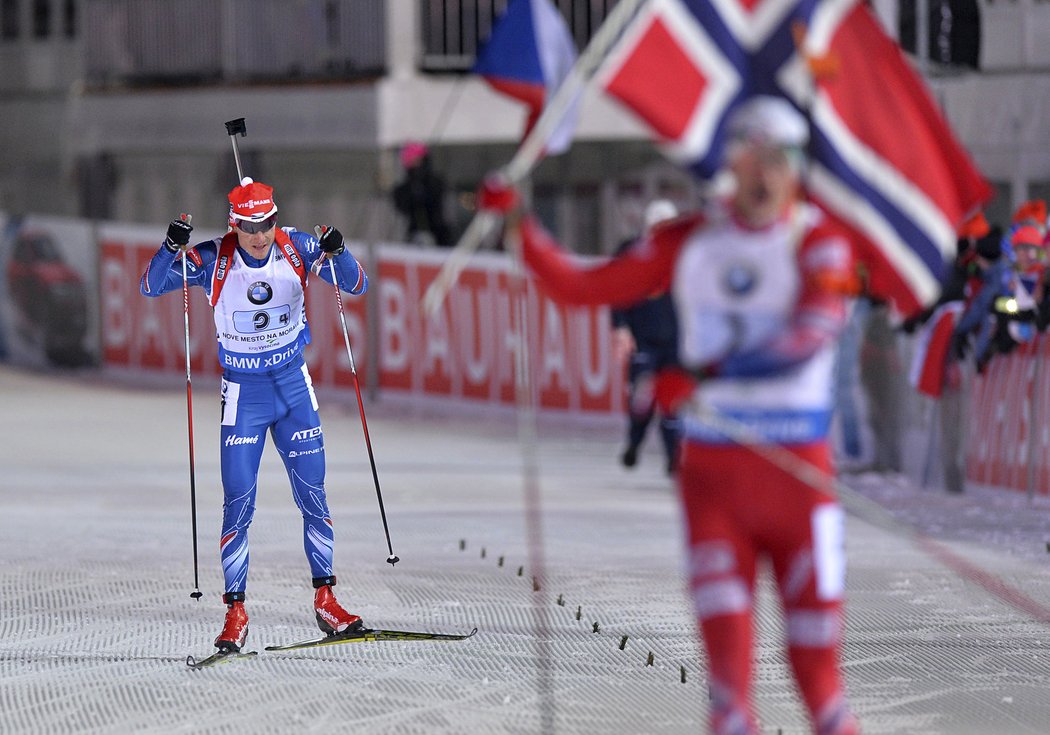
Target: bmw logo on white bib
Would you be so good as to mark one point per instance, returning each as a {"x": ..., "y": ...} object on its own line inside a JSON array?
[
  {"x": 740, "y": 279},
  {"x": 260, "y": 292}
]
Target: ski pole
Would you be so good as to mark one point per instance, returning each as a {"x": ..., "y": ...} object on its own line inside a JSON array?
[
  {"x": 392, "y": 559},
  {"x": 196, "y": 594}
]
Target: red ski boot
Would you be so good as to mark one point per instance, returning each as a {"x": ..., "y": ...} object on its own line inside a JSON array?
[
  {"x": 235, "y": 630},
  {"x": 331, "y": 617}
]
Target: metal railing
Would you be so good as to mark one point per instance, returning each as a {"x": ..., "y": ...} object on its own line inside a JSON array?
[
  {"x": 190, "y": 41},
  {"x": 453, "y": 30}
]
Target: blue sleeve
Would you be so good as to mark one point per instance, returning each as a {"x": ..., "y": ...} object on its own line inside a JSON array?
[
  {"x": 164, "y": 271},
  {"x": 981, "y": 306},
  {"x": 351, "y": 274}
]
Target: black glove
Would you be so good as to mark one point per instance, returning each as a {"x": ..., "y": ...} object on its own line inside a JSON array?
[
  {"x": 959, "y": 346},
  {"x": 912, "y": 323},
  {"x": 330, "y": 238},
  {"x": 178, "y": 234},
  {"x": 909, "y": 325}
]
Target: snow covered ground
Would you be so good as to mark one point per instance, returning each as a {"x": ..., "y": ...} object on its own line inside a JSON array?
[{"x": 949, "y": 597}]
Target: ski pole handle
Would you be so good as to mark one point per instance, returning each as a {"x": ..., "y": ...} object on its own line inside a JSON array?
[{"x": 233, "y": 128}]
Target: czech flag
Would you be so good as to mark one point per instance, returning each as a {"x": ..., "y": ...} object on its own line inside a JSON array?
[
  {"x": 528, "y": 55},
  {"x": 883, "y": 161}
]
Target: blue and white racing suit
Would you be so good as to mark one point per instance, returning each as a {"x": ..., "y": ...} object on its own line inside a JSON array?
[{"x": 261, "y": 326}]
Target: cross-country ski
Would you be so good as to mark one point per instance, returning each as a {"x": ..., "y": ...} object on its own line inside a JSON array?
[
  {"x": 371, "y": 634},
  {"x": 223, "y": 656}
]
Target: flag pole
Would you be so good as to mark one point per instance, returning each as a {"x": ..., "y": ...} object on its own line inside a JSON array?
[{"x": 531, "y": 149}]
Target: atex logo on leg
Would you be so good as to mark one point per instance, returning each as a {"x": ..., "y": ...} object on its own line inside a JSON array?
[{"x": 307, "y": 434}]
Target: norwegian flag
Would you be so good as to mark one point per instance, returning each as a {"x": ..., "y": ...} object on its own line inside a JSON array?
[{"x": 884, "y": 163}]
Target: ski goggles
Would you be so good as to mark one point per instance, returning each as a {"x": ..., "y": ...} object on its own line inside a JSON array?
[{"x": 253, "y": 228}]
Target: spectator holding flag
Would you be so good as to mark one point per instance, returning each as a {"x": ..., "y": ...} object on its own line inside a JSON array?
[
  {"x": 935, "y": 370},
  {"x": 760, "y": 285}
]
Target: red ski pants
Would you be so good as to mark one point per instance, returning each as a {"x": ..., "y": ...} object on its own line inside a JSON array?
[{"x": 740, "y": 508}]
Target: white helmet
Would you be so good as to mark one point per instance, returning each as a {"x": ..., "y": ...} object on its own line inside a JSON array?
[
  {"x": 658, "y": 210},
  {"x": 768, "y": 120}
]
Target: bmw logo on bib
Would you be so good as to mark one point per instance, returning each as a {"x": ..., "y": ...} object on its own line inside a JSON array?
[
  {"x": 260, "y": 292},
  {"x": 740, "y": 279}
]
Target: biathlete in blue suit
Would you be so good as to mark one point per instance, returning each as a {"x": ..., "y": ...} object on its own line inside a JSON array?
[{"x": 255, "y": 278}]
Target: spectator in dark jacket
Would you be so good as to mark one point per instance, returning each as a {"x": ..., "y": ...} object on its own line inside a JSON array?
[
  {"x": 646, "y": 337},
  {"x": 420, "y": 197},
  {"x": 994, "y": 272}
]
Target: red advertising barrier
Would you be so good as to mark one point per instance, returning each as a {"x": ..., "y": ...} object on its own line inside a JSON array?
[
  {"x": 1010, "y": 400},
  {"x": 468, "y": 351}
]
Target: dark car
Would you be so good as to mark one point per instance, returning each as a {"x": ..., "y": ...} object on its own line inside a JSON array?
[{"x": 49, "y": 298}]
